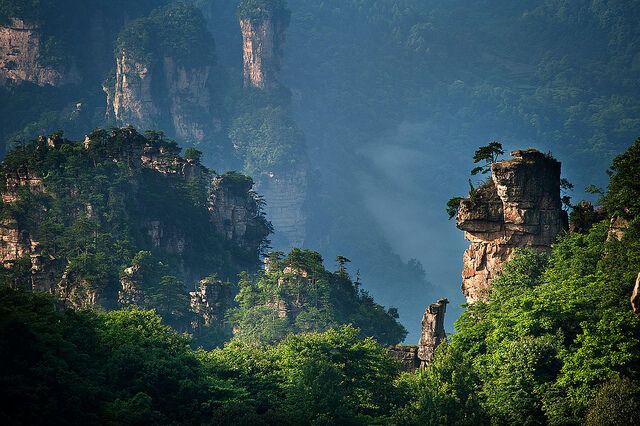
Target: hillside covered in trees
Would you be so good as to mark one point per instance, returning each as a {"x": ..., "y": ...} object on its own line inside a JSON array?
[{"x": 556, "y": 342}]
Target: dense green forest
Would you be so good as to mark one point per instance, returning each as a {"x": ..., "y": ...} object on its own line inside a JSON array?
[
  {"x": 143, "y": 281},
  {"x": 555, "y": 343}
]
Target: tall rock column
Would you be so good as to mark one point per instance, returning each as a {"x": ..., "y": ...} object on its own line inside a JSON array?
[
  {"x": 519, "y": 207},
  {"x": 433, "y": 332},
  {"x": 263, "y": 24},
  {"x": 263, "y": 32}
]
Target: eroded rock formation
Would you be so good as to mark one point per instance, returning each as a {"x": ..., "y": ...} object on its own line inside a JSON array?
[
  {"x": 167, "y": 95},
  {"x": 237, "y": 217},
  {"x": 263, "y": 40},
  {"x": 21, "y": 57},
  {"x": 519, "y": 207},
  {"x": 433, "y": 333},
  {"x": 209, "y": 302}
]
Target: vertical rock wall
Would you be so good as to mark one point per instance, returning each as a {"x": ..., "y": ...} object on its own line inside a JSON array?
[
  {"x": 433, "y": 332},
  {"x": 20, "y": 50},
  {"x": 285, "y": 194},
  {"x": 262, "y": 51},
  {"x": 519, "y": 207}
]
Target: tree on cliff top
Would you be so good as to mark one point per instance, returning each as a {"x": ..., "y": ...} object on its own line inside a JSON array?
[{"x": 488, "y": 154}]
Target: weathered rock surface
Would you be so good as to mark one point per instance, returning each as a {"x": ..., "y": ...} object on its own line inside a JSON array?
[
  {"x": 209, "y": 302},
  {"x": 635, "y": 297},
  {"x": 286, "y": 194},
  {"x": 166, "y": 95},
  {"x": 519, "y": 207},
  {"x": 262, "y": 47},
  {"x": 433, "y": 333},
  {"x": 20, "y": 57},
  {"x": 133, "y": 99},
  {"x": 236, "y": 216}
]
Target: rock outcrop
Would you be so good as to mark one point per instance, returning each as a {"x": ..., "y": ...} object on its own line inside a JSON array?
[
  {"x": 210, "y": 302},
  {"x": 237, "y": 218},
  {"x": 263, "y": 39},
  {"x": 233, "y": 211},
  {"x": 519, "y": 207},
  {"x": 433, "y": 333},
  {"x": 21, "y": 57},
  {"x": 167, "y": 96},
  {"x": 635, "y": 297}
]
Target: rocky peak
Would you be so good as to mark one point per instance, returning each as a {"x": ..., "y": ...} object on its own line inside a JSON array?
[
  {"x": 263, "y": 33},
  {"x": 519, "y": 207},
  {"x": 20, "y": 57}
]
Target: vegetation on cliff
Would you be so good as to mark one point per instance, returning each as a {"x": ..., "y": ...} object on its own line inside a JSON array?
[
  {"x": 297, "y": 294},
  {"x": 178, "y": 31}
]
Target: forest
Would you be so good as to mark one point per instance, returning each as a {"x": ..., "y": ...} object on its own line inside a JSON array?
[{"x": 235, "y": 211}]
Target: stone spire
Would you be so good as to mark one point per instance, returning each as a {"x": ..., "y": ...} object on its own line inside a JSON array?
[
  {"x": 432, "y": 331},
  {"x": 519, "y": 207},
  {"x": 263, "y": 25}
]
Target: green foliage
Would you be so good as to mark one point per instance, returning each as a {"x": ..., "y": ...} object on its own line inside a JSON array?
[
  {"x": 453, "y": 205},
  {"x": 257, "y": 11},
  {"x": 488, "y": 154},
  {"x": 445, "y": 393},
  {"x": 297, "y": 294},
  {"x": 267, "y": 140},
  {"x": 178, "y": 31},
  {"x": 96, "y": 209},
  {"x": 624, "y": 186}
]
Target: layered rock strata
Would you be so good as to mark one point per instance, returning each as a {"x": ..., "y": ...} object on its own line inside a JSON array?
[{"x": 519, "y": 207}]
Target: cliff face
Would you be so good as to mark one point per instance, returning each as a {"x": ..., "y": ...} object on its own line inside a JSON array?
[
  {"x": 286, "y": 194},
  {"x": 20, "y": 57},
  {"x": 236, "y": 216},
  {"x": 143, "y": 223},
  {"x": 151, "y": 96},
  {"x": 519, "y": 207},
  {"x": 262, "y": 46},
  {"x": 635, "y": 297}
]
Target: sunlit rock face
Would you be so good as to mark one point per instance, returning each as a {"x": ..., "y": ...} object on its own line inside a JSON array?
[
  {"x": 635, "y": 297},
  {"x": 168, "y": 96},
  {"x": 262, "y": 51},
  {"x": 21, "y": 57},
  {"x": 519, "y": 207}
]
